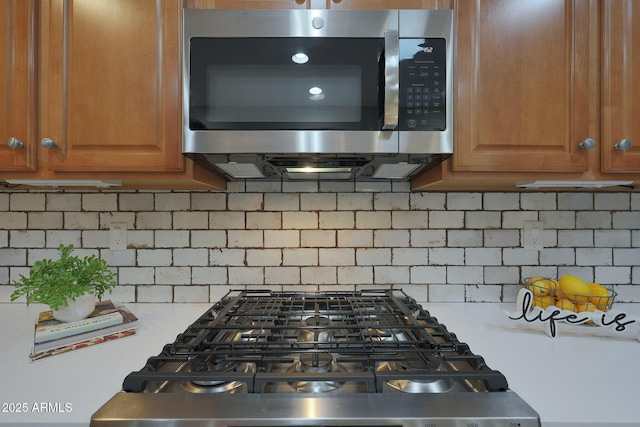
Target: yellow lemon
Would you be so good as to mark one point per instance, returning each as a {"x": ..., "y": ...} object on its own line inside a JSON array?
[
  {"x": 542, "y": 301},
  {"x": 574, "y": 288},
  {"x": 599, "y": 295},
  {"x": 540, "y": 287},
  {"x": 565, "y": 304},
  {"x": 587, "y": 306}
]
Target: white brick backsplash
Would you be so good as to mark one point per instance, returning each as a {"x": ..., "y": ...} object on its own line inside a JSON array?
[
  {"x": 208, "y": 201},
  {"x": 227, "y": 257},
  {"x": 318, "y": 275},
  {"x": 301, "y": 256},
  {"x": 318, "y": 202},
  {"x": 45, "y": 220},
  {"x": 428, "y": 275},
  {"x": 264, "y": 220},
  {"x": 409, "y": 256},
  {"x": 355, "y": 275},
  {"x": 155, "y": 257},
  {"x": 281, "y": 238},
  {"x": 612, "y": 238},
  {"x": 593, "y": 219},
  {"x": 464, "y": 201},
  {"x": 13, "y": 220},
  {"x": 190, "y": 256},
  {"x": 575, "y": 201},
  {"x": 336, "y": 220},
  {"x": 281, "y": 202},
  {"x": 191, "y": 294},
  {"x": 373, "y": 256},
  {"x": 208, "y": 239},
  {"x": 427, "y": 201},
  {"x": 459, "y": 246},
  {"x": 428, "y": 238},
  {"x": 190, "y": 220},
  {"x": 409, "y": 220},
  {"x": 594, "y": 256},
  {"x": 612, "y": 201},
  {"x": 172, "y": 202},
  {"x": 27, "y": 202},
  {"x": 355, "y": 202},
  {"x": 245, "y": 201},
  {"x": 446, "y": 219},
  {"x": 136, "y": 202},
  {"x": 375, "y": 220},
  {"x": 355, "y": 238},
  {"x": 316, "y": 238},
  {"x": 538, "y": 201},
  {"x": 246, "y": 275},
  {"x": 257, "y": 257},
  {"x": 209, "y": 275},
  {"x": 281, "y": 275},
  {"x": 246, "y": 238},
  {"x": 153, "y": 220},
  {"x": 226, "y": 220},
  {"x": 100, "y": 202},
  {"x": 464, "y": 238},
  {"x": 391, "y": 238},
  {"x": 26, "y": 239},
  {"x": 299, "y": 220},
  {"x": 172, "y": 238},
  {"x": 336, "y": 256},
  {"x": 501, "y": 201}
]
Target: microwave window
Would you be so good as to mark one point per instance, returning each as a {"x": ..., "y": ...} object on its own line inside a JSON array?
[
  {"x": 309, "y": 83},
  {"x": 284, "y": 94}
]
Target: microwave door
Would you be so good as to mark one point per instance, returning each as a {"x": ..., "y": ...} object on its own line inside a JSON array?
[{"x": 392, "y": 79}]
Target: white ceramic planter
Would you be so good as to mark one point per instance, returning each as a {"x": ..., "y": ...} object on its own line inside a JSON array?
[{"x": 76, "y": 310}]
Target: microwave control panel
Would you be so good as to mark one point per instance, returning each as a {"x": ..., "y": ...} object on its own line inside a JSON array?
[{"x": 422, "y": 89}]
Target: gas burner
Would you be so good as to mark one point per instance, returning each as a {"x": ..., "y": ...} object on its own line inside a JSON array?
[
  {"x": 316, "y": 363},
  {"x": 414, "y": 385},
  {"x": 387, "y": 334},
  {"x": 315, "y": 328},
  {"x": 215, "y": 365}
]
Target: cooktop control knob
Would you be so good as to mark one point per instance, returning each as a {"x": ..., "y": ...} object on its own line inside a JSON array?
[{"x": 317, "y": 23}]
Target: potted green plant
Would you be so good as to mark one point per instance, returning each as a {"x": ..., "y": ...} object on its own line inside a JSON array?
[{"x": 69, "y": 285}]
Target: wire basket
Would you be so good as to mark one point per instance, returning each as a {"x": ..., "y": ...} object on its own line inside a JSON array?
[{"x": 546, "y": 292}]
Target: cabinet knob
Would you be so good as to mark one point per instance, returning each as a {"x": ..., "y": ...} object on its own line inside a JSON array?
[
  {"x": 587, "y": 144},
  {"x": 14, "y": 142},
  {"x": 49, "y": 143},
  {"x": 622, "y": 145}
]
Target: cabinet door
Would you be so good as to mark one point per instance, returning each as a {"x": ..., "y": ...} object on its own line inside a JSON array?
[
  {"x": 524, "y": 70},
  {"x": 620, "y": 85},
  {"x": 110, "y": 85},
  {"x": 17, "y": 86}
]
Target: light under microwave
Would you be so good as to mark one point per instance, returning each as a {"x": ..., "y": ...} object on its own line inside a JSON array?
[{"x": 344, "y": 91}]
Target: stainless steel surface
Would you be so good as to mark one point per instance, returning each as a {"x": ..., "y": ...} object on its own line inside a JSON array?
[
  {"x": 587, "y": 144},
  {"x": 13, "y": 142},
  {"x": 384, "y": 146},
  {"x": 367, "y": 358},
  {"x": 623, "y": 145},
  {"x": 49, "y": 143},
  {"x": 392, "y": 79},
  {"x": 366, "y": 409}
]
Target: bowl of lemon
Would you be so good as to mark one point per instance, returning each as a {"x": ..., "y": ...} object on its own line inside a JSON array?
[{"x": 569, "y": 293}]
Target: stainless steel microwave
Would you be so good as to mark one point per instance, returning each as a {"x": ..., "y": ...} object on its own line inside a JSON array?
[{"x": 318, "y": 94}]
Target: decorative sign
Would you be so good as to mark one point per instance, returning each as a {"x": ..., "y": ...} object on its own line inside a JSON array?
[{"x": 615, "y": 320}]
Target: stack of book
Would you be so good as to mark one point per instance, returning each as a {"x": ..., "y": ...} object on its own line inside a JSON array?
[{"x": 107, "y": 323}]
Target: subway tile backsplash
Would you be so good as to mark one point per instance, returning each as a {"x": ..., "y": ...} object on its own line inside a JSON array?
[{"x": 437, "y": 246}]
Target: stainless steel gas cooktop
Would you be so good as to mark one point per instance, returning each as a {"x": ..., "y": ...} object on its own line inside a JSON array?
[{"x": 368, "y": 358}]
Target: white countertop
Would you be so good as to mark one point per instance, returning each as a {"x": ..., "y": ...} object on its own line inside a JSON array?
[{"x": 571, "y": 380}]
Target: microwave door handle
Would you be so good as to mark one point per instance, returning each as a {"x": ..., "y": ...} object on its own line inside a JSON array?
[{"x": 391, "y": 79}]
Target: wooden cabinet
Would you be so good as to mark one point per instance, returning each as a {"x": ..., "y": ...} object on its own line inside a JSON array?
[
  {"x": 108, "y": 98},
  {"x": 18, "y": 85},
  {"x": 529, "y": 76}
]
